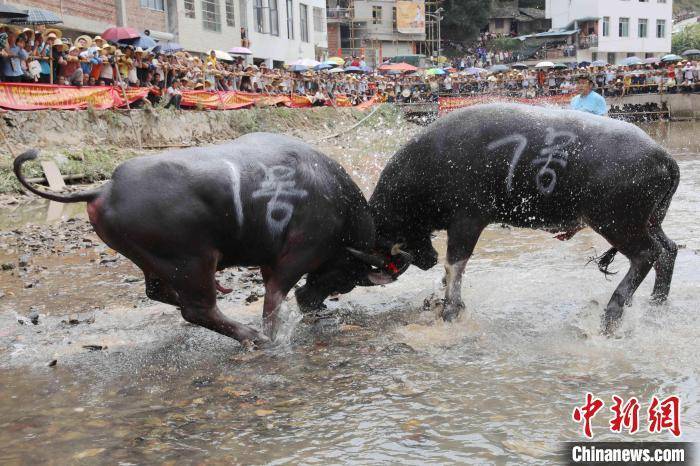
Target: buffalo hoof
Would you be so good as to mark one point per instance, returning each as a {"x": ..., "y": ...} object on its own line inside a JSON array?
[
  {"x": 451, "y": 311},
  {"x": 611, "y": 322}
]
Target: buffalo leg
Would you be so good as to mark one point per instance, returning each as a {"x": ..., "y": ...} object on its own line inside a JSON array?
[
  {"x": 159, "y": 291},
  {"x": 196, "y": 287},
  {"x": 663, "y": 266},
  {"x": 642, "y": 251},
  {"x": 462, "y": 236}
]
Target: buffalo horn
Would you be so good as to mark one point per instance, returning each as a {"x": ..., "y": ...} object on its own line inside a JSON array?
[{"x": 370, "y": 259}]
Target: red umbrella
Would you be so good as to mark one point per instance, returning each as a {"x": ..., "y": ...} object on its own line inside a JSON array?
[
  {"x": 403, "y": 67},
  {"x": 120, "y": 33}
]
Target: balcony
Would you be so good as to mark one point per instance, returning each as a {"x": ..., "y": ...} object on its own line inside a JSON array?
[
  {"x": 337, "y": 15},
  {"x": 586, "y": 42}
]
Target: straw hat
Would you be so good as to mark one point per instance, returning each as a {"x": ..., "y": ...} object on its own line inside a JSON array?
[
  {"x": 138, "y": 50},
  {"x": 97, "y": 39},
  {"x": 28, "y": 31},
  {"x": 108, "y": 48},
  {"x": 58, "y": 32},
  {"x": 199, "y": 85},
  {"x": 51, "y": 35},
  {"x": 87, "y": 40},
  {"x": 59, "y": 43}
]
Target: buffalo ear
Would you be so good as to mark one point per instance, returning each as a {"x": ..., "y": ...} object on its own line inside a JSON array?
[{"x": 368, "y": 258}]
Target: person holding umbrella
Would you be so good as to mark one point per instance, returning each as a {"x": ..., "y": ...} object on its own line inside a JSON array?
[{"x": 587, "y": 100}]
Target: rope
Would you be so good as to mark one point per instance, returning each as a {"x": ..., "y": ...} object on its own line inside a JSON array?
[{"x": 350, "y": 128}]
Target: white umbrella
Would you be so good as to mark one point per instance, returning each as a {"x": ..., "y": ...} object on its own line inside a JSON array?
[
  {"x": 336, "y": 70},
  {"x": 544, "y": 64},
  {"x": 307, "y": 62},
  {"x": 221, "y": 55}
]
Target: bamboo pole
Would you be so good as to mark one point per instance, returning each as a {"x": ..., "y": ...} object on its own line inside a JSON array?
[{"x": 128, "y": 107}]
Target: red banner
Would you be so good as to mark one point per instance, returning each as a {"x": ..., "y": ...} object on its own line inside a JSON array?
[
  {"x": 448, "y": 104},
  {"x": 16, "y": 96}
]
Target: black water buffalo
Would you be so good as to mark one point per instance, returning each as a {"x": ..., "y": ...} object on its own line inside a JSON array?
[
  {"x": 262, "y": 199},
  {"x": 556, "y": 170}
]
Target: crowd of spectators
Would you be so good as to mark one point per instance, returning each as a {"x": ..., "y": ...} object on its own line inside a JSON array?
[{"x": 46, "y": 57}]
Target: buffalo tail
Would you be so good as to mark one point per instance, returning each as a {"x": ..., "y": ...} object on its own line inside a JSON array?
[{"x": 84, "y": 196}]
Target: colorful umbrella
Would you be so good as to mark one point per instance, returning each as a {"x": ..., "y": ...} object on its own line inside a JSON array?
[
  {"x": 168, "y": 47},
  {"x": 240, "y": 51},
  {"x": 652, "y": 60},
  {"x": 474, "y": 70},
  {"x": 120, "y": 33},
  {"x": 39, "y": 16},
  {"x": 307, "y": 62},
  {"x": 337, "y": 70},
  {"x": 337, "y": 60},
  {"x": 435, "y": 71},
  {"x": 671, "y": 57},
  {"x": 403, "y": 67},
  {"x": 297, "y": 68},
  {"x": 221, "y": 55},
  {"x": 632, "y": 61},
  {"x": 145, "y": 42},
  {"x": 10, "y": 12},
  {"x": 498, "y": 68},
  {"x": 599, "y": 63}
]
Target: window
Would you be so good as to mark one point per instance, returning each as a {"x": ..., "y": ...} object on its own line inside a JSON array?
[
  {"x": 274, "y": 18},
  {"x": 230, "y": 18},
  {"x": 661, "y": 28},
  {"x": 189, "y": 8},
  {"x": 661, "y": 1},
  {"x": 498, "y": 23},
  {"x": 259, "y": 16},
  {"x": 210, "y": 15},
  {"x": 611, "y": 58},
  {"x": 393, "y": 18},
  {"x": 153, "y": 4},
  {"x": 376, "y": 15},
  {"x": 606, "y": 26},
  {"x": 624, "y": 29},
  {"x": 594, "y": 56},
  {"x": 304, "y": 22},
  {"x": 318, "y": 19},
  {"x": 290, "y": 19},
  {"x": 642, "y": 29}
]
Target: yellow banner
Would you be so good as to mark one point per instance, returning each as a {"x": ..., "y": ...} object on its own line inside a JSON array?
[{"x": 410, "y": 17}]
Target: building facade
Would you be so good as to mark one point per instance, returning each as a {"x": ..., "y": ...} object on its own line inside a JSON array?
[
  {"x": 509, "y": 19},
  {"x": 612, "y": 30},
  {"x": 369, "y": 28},
  {"x": 278, "y": 31}
]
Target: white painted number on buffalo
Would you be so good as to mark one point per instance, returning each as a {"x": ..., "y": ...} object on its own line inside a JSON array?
[
  {"x": 554, "y": 152},
  {"x": 279, "y": 184}
]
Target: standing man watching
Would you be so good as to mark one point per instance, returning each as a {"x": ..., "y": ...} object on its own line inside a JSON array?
[{"x": 587, "y": 100}]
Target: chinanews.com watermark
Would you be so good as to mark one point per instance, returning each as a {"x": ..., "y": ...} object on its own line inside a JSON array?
[{"x": 661, "y": 416}]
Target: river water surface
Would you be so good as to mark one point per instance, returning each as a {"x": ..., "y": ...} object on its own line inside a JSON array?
[{"x": 389, "y": 383}]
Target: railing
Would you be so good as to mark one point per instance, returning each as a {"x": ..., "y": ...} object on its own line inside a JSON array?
[
  {"x": 586, "y": 42},
  {"x": 338, "y": 14}
]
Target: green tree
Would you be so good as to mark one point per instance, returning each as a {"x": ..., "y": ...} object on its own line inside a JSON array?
[
  {"x": 463, "y": 19},
  {"x": 689, "y": 38}
]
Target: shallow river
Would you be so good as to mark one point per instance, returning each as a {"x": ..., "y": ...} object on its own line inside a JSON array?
[{"x": 388, "y": 385}]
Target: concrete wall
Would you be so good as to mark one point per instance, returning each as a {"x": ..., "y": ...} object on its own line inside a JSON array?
[
  {"x": 144, "y": 18},
  {"x": 91, "y": 16}
]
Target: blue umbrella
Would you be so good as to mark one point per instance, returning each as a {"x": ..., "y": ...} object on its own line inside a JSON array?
[
  {"x": 354, "y": 69},
  {"x": 298, "y": 68},
  {"x": 168, "y": 47},
  {"x": 474, "y": 70},
  {"x": 631, "y": 61},
  {"x": 324, "y": 66},
  {"x": 599, "y": 63},
  {"x": 145, "y": 42},
  {"x": 498, "y": 68},
  {"x": 366, "y": 69}
]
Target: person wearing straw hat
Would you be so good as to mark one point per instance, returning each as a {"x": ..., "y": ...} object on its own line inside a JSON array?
[
  {"x": 13, "y": 57},
  {"x": 588, "y": 100}
]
